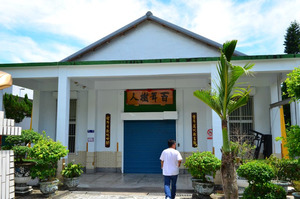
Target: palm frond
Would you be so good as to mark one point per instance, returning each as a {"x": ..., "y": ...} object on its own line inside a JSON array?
[
  {"x": 238, "y": 101},
  {"x": 228, "y": 49},
  {"x": 209, "y": 99}
]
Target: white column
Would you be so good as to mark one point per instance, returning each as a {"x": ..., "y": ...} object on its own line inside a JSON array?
[
  {"x": 275, "y": 118},
  {"x": 63, "y": 108},
  {"x": 216, "y": 120},
  {"x": 91, "y": 122},
  {"x": 91, "y": 125},
  {"x": 36, "y": 110},
  {"x": 295, "y": 113}
]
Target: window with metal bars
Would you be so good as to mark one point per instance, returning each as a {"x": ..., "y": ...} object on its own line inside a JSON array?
[
  {"x": 241, "y": 120},
  {"x": 72, "y": 125}
]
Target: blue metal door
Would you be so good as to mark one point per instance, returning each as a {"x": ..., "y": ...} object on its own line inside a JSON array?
[{"x": 143, "y": 143}]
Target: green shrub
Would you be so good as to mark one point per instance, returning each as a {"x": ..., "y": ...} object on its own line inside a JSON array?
[
  {"x": 285, "y": 169},
  {"x": 47, "y": 153},
  {"x": 19, "y": 144},
  {"x": 293, "y": 141},
  {"x": 256, "y": 172},
  {"x": 72, "y": 170},
  {"x": 201, "y": 164},
  {"x": 264, "y": 191}
]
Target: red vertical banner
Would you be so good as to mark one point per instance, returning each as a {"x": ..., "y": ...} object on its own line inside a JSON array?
[
  {"x": 107, "y": 130},
  {"x": 194, "y": 130}
]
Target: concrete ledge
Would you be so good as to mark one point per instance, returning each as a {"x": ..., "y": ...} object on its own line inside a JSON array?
[
  {"x": 108, "y": 170},
  {"x": 90, "y": 170}
]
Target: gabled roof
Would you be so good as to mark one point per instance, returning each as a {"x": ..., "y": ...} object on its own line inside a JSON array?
[{"x": 134, "y": 24}]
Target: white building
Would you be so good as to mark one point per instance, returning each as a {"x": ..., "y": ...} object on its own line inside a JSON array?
[{"x": 74, "y": 99}]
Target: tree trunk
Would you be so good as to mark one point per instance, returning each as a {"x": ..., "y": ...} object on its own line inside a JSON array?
[
  {"x": 229, "y": 177},
  {"x": 228, "y": 172}
]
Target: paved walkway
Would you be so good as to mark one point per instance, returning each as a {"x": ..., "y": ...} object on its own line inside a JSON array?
[
  {"x": 118, "y": 182},
  {"x": 106, "y": 195}
]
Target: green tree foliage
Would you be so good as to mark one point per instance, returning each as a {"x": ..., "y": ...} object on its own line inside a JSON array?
[
  {"x": 264, "y": 191},
  {"x": 292, "y": 39},
  {"x": 19, "y": 144},
  {"x": 293, "y": 141},
  {"x": 256, "y": 172},
  {"x": 17, "y": 108},
  {"x": 259, "y": 175},
  {"x": 72, "y": 170},
  {"x": 201, "y": 164},
  {"x": 224, "y": 100},
  {"x": 46, "y": 154},
  {"x": 228, "y": 97},
  {"x": 293, "y": 84}
]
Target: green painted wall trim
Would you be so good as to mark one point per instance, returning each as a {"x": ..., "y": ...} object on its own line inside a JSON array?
[
  {"x": 147, "y": 61},
  {"x": 150, "y": 108}
]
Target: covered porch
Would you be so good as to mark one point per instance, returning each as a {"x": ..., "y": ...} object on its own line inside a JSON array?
[{"x": 98, "y": 88}]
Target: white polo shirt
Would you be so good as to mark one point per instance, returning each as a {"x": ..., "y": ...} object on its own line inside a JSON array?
[{"x": 170, "y": 157}]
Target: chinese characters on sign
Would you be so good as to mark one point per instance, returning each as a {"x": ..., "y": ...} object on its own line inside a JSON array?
[
  {"x": 107, "y": 130},
  {"x": 194, "y": 130},
  {"x": 149, "y": 97}
]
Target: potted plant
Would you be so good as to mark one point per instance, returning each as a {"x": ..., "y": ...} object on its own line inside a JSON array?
[
  {"x": 200, "y": 165},
  {"x": 71, "y": 174},
  {"x": 21, "y": 147},
  {"x": 286, "y": 170},
  {"x": 259, "y": 176},
  {"x": 47, "y": 153}
]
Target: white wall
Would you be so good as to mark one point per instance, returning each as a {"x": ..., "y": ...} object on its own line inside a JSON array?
[
  {"x": 25, "y": 124},
  {"x": 112, "y": 101},
  {"x": 151, "y": 41},
  {"x": 193, "y": 104},
  {"x": 81, "y": 121},
  {"x": 107, "y": 103},
  {"x": 47, "y": 114},
  {"x": 261, "y": 110}
]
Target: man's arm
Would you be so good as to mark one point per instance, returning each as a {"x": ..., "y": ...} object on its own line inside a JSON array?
[
  {"x": 162, "y": 164},
  {"x": 179, "y": 163}
]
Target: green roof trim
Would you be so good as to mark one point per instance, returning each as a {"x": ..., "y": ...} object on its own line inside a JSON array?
[{"x": 147, "y": 61}]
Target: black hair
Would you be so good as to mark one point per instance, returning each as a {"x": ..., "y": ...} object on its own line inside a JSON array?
[{"x": 171, "y": 142}]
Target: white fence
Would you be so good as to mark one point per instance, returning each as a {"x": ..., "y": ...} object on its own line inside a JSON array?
[
  {"x": 7, "y": 189},
  {"x": 7, "y": 171}
]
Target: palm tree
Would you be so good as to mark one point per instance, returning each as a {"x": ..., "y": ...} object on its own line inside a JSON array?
[{"x": 224, "y": 100}]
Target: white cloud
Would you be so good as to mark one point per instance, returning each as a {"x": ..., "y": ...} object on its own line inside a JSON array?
[
  {"x": 20, "y": 49},
  {"x": 259, "y": 25}
]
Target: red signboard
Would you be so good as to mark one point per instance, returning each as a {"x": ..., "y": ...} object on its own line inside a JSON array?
[
  {"x": 107, "y": 130},
  {"x": 149, "y": 97},
  {"x": 194, "y": 130},
  {"x": 209, "y": 134}
]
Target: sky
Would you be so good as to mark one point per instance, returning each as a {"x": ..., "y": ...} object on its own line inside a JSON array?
[{"x": 50, "y": 30}]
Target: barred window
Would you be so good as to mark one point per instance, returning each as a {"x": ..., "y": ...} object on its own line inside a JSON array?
[
  {"x": 241, "y": 120},
  {"x": 72, "y": 125}
]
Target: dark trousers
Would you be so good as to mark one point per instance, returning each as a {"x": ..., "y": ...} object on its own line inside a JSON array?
[{"x": 170, "y": 186}]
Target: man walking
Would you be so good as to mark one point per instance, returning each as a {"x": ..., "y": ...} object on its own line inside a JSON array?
[{"x": 170, "y": 163}]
